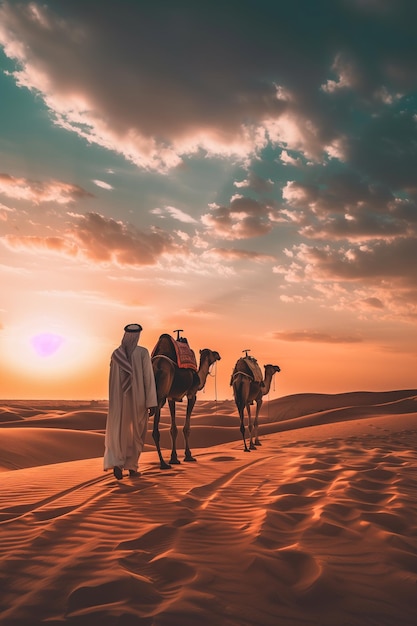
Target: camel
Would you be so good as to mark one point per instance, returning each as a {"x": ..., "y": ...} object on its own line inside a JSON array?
[
  {"x": 246, "y": 390},
  {"x": 172, "y": 384}
]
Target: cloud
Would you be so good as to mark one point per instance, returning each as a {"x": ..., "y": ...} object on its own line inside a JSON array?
[
  {"x": 5, "y": 212},
  {"x": 344, "y": 205},
  {"x": 239, "y": 255},
  {"x": 386, "y": 149},
  {"x": 287, "y": 159},
  {"x": 256, "y": 183},
  {"x": 383, "y": 261},
  {"x": 329, "y": 103},
  {"x": 102, "y": 184},
  {"x": 198, "y": 312},
  {"x": 103, "y": 241},
  {"x": 180, "y": 215},
  {"x": 216, "y": 94},
  {"x": 106, "y": 241},
  {"x": 374, "y": 303},
  {"x": 125, "y": 300},
  {"x": 31, "y": 243},
  {"x": 245, "y": 218},
  {"x": 315, "y": 336},
  {"x": 41, "y": 191},
  {"x": 389, "y": 299},
  {"x": 386, "y": 263},
  {"x": 368, "y": 279}
]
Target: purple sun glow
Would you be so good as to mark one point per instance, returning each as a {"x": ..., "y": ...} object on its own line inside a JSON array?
[{"x": 47, "y": 344}]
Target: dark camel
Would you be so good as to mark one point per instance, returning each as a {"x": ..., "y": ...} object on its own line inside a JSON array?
[
  {"x": 172, "y": 384},
  {"x": 246, "y": 390}
]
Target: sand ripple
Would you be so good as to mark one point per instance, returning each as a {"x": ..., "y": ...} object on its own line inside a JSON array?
[{"x": 316, "y": 527}]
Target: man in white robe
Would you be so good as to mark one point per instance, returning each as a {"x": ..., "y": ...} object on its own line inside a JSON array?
[{"x": 132, "y": 400}]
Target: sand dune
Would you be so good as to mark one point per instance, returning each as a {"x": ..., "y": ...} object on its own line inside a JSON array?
[
  {"x": 318, "y": 526},
  {"x": 30, "y": 447}
]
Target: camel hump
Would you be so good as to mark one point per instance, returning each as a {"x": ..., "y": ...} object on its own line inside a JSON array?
[
  {"x": 165, "y": 347},
  {"x": 249, "y": 365},
  {"x": 178, "y": 351}
]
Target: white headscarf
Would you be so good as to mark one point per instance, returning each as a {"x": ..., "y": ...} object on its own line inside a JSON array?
[{"x": 123, "y": 354}]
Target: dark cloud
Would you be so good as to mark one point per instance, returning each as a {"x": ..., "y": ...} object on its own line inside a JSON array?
[
  {"x": 315, "y": 336},
  {"x": 374, "y": 303},
  {"x": 243, "y": 219},
  {"x": 106, "y": 240},
  {"x": 256, "y": 183},
  {"x": 232, "y": 254},
  {"x": 386, "y": 149},
  {"x": 345, "y": 206},
  {"x": 383, "y": 261},
  {"x": 157, "y": 80},
  {"x": 338, "y": 192},
  {"x": 360, "y": 227}
]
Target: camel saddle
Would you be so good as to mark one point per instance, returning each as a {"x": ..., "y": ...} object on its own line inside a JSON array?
[
  {"x": 254, "y": 368},
  {"x": 180, "y": 352},
  {"x": 251, "y": 364}
]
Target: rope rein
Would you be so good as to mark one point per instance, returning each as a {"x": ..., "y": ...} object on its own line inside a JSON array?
[
  {"x": 213, "y": 368},
  {"x": 273, "y": 388}
]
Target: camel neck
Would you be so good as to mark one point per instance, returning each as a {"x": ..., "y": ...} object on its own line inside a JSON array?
[
  {"x": 267, "y": 383},
  {"x": 203, "y": 372}
]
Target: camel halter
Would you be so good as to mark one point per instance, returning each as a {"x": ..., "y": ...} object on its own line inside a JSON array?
[
  {"x": 213, "y": 369},
  {"x": 273, "y": 389}
]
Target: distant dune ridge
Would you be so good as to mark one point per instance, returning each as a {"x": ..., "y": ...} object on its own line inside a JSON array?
[{"x": 318, "y": 526}]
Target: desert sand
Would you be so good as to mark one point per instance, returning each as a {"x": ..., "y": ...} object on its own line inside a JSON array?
[{"x": 317, "y": 526}]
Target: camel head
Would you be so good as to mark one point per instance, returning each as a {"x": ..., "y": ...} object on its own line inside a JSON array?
[
  {"x": 211, "y": 355},
  {"x": 207, "y": 358},
  {"x": 273, "y": 369}
]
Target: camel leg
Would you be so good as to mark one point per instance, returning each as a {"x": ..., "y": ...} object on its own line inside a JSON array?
[
  {"x": 250, "y": 427},
  {"x": 256, "y": 422},
  {"x": 174, "y": 432},
  {"x": 240, "y": 394},
  {"x": 187, "y": 428},
  {"x": 156, "y": 437},
  {"x": 242, "y": 428}
]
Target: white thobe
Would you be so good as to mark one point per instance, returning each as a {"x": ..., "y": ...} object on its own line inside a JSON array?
[{"x": 127, "y": 419}]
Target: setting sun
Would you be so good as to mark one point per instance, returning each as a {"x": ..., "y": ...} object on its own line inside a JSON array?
[
  {"x": 44, "y": 349},
  {"x": 46, "y": 344}
]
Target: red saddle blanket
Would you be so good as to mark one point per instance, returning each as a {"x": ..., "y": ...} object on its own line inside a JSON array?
[{"x": 185, "y": 356}]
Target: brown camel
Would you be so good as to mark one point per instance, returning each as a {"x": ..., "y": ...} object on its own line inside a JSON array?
[
  {"x": 172, "y": 384},
  {"x": 249, "y": 388}
]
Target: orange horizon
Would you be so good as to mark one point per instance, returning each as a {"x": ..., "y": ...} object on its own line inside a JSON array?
[{"x": 310, "y": 369}]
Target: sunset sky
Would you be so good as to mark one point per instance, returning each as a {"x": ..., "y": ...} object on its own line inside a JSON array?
[{"x": 244, "y": 171}]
